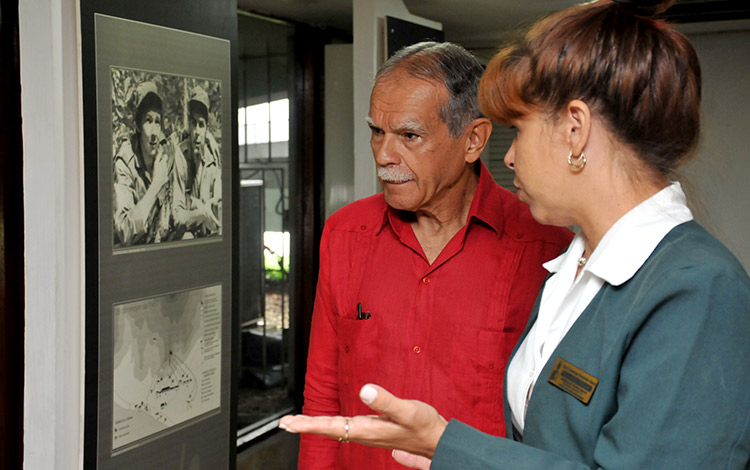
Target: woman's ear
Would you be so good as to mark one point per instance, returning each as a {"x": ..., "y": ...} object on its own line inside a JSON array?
[
  {"x": 577, "y": 125},
  {"x": 479, "y": 133}
]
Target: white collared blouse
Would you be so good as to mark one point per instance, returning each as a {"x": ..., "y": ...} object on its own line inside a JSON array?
[{"x": 619, "y": 255}]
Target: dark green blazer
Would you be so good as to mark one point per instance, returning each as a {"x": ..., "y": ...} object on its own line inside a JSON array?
[{"x": 671, "y": 351}]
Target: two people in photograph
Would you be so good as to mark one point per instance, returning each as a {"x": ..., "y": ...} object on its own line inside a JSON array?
[
  {"x": 166, "y": 189},
  {"x": 636, "y": 354}
]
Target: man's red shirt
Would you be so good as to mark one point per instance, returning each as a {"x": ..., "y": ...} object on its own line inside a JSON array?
[{"x": 440, "y": 333}]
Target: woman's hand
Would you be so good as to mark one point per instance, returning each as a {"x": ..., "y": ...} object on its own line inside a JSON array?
[
  {"x": 408, "y": 425},
  {"x": 411, "y": 460}
]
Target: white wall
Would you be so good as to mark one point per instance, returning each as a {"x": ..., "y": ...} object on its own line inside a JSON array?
[
  {"x": 720, "y": 174},
  {"x": 339, "y": 127},
  {"x": 50, "y": 100}
]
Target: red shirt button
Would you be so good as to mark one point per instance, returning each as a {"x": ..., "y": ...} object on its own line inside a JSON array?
[
  {"x": 426, "y": 280},
  {"x": 417, "y": 349},
  {"x": 346, "y": 348}
]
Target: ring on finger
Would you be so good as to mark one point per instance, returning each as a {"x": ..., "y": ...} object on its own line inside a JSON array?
[{"x": 345, "y": 439}]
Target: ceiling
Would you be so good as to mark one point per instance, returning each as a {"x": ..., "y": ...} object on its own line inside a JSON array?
[
  {"x": 479, "y": 25},
  {"x": 483, "y": 25}
]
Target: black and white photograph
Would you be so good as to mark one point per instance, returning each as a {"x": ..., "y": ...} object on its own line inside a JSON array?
[{"x": 166, "y": 147}]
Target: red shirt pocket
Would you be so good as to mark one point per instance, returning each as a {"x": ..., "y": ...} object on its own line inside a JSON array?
[
  {"x": 478, "y": 370},
  {"x": 359, "y": 360}
]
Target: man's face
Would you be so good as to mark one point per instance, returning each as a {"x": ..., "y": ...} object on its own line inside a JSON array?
[
  {"x": 150, "y": 129},
  {"x": 418, "y": 162},
  {"x": 197, "y": 128}
]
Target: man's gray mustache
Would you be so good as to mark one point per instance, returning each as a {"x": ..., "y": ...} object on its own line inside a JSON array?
[{"x": 394, "y": 174}]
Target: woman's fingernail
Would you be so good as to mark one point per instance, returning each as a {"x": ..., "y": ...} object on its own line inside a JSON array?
[
  {"x": 283, "y": 426},
  {"x": 368, "y": 394}
]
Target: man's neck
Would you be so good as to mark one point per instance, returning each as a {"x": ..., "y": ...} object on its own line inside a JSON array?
[{"x": 435, "y": 226}]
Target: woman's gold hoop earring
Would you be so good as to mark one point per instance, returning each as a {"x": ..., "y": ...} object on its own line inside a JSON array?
[{"x": 580, "y": 161}]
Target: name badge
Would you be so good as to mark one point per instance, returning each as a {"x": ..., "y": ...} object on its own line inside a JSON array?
[{"x": 572, "y": 380}]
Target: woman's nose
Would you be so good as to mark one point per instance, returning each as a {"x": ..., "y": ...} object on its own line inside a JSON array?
[{"x": 510, "y": 157}]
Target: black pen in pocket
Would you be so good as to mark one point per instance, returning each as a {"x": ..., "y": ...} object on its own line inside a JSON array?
[{"x": 362, "y": 315}]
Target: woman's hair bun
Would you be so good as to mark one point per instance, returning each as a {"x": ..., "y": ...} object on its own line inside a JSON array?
[{"x": 648, "y": 7}]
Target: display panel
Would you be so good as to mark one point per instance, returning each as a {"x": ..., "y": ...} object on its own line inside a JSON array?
[{"x": 159, "y": 395}]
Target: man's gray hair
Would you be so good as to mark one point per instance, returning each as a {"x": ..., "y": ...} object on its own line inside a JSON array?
[{"x": 446, "y": 63}]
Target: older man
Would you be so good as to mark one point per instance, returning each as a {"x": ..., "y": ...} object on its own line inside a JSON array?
[{"x": 425, "y": 288}]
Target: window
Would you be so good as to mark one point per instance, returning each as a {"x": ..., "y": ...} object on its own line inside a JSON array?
[
  {"x": 263, "y": 123},
  {"x": 280, "y": 216},
  {"x": 264, "y": 386}
]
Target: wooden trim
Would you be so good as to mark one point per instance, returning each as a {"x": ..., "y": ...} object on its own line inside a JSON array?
[
  {"x": 11, "y": 245},
  {"x": 307, "y": 200}
]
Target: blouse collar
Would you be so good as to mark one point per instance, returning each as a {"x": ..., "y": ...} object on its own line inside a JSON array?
[{"x": 630, "y": 241}]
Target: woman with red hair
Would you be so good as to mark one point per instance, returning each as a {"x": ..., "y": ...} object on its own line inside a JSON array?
[{"x": 636, "y": 353}]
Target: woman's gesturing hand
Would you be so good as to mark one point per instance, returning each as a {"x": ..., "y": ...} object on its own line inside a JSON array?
[{"x": 408, "y": 425}]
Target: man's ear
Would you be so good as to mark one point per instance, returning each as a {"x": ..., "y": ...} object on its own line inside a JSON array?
[
  {"x": 577, "y": 125},
  {"x": 479, "y": 133}
]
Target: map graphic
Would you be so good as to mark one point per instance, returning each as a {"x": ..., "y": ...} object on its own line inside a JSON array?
[{"x": 167, "y": 362}]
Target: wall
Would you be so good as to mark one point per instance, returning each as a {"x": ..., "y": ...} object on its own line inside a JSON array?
[
  {"x": 719, "y": 175},
  {"x": 339, "y": 128},
  {"x": 51, "y": 115}
]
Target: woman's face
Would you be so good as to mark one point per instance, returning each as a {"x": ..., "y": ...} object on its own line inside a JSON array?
[
  {"x": 539, "y": 157},
  {"x": 150, "y": 129}
]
